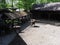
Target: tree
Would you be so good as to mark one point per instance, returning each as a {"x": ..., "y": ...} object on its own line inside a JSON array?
[
  {"x": 19, "y": 4},
  {"x": 26, "y": 4},
  {"x": 3, "y": 4}
]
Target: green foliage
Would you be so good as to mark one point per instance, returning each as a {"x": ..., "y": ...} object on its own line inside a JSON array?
[
  {"x": 26, "y": 4},
  {"x": 44, "y": 1},
  {"x": 3, "y": 4},
  {"x": 20, "y": 4},
  {"x": 8, "y": 5},
  {"x": 47, "y": 1}
]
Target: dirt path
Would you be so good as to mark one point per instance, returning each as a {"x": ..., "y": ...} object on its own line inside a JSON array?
[{"x": 45, "y": 34}]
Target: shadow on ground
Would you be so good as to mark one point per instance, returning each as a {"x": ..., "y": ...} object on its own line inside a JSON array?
[
  {"x": 55, "y": 23},
  {"x": 24, "y": 26},
  {"x": 18, "y": 41},
  {"x": 36, "y": 26}
]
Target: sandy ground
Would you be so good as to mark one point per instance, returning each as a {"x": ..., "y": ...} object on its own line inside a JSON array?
[{"x": 44, "y": 34}]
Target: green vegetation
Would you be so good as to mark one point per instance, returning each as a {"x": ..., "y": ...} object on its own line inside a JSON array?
[
  {"x": 26, "y": 4},
  {"x": 2, "y": 4}
]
